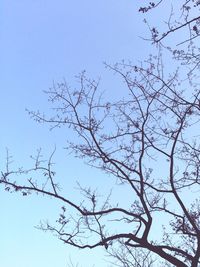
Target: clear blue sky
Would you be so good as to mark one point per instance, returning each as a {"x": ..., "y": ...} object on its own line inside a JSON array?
[{"x": 42, "y": 41}]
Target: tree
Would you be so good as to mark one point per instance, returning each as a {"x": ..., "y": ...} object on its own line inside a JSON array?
[
  {"x": 178, "y": 31},
  {"x": 185, "y": 15},
  {"x": 127, "y": 257},
  {"x": 148, "y": 141}
]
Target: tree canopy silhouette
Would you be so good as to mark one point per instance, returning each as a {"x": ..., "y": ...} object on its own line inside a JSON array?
[
  {"x": 146, "y": 138},
  {"x": 145, "y": 141}
]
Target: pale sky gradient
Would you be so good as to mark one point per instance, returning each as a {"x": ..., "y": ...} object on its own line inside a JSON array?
[{"x": 42, "y": 41}]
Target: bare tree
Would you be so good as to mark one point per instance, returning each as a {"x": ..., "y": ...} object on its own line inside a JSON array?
[
  {"x": 178, "y": 30},
  {"x": 147, "y": 142},
  {"x": 183, "y": 15},
  {"x": 126, "y": 257}
]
